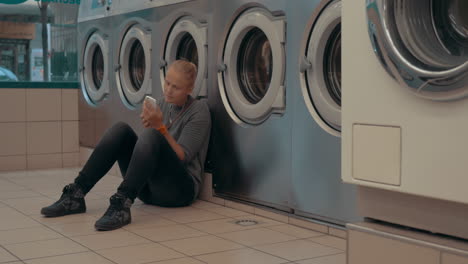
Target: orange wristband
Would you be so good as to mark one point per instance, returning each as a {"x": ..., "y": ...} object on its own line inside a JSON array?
[{"x": 163, "y": 130}]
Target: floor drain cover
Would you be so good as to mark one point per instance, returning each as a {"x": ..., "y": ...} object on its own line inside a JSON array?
[{"x": 246, "y": 222}]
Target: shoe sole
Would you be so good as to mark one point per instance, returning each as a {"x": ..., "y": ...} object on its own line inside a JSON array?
[
  {"x": 51, "y": 214},
  {"x": 109, "y": 227}
]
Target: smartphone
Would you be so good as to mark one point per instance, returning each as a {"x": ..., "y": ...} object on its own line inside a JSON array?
[{"x": 152, "y": 101}]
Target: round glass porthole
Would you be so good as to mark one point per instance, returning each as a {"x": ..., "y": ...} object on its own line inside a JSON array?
[
  {"x": 187, "y": 40},
  {"x": 423, "y": 44},
  {"x": 94, "y": 74},
  {"x": 321, "y": 69},
  {"x": 251, "y": 77},
  {"x": 134, "y": 71}
]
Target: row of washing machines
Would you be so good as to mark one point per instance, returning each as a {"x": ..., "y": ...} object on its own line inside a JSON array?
[{"x": 271, "y": 72}]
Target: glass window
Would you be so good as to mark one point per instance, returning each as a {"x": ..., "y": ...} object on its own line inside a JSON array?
[
  {"x": 255, "y": 65},
  {"x": 98, "y": 67},
  {"x": 38, "y": 41},
  {"x": 137, "y": 65},
  {"x": 187, "y": 49},
  {"x": 332, "y": 65}
]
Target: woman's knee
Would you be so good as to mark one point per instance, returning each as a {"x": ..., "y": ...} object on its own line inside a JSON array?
[
  {"x": 120, "y": 131},
  {"x": 151, "y": 137}
]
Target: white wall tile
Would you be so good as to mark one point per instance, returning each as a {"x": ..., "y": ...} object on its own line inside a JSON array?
[
  {"x": 12, "y": 163},
  {"x": 12, "y": 139},
  {"x": 44, "y": 137},
  {"x": 70, "y": 104},
  {"x": 45, "y": 161},
  {"x": 70, "y": 142},
  {"x": 71, "y": 160},
  {"x": 12, "y": 105},
  {"x": 43, "y": 104}
]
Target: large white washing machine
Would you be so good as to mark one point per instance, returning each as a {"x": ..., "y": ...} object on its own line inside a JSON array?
[
  {"x": 94, "y": 58},
  {"x": 314, "y": 80},
  {"x": 251, "y": 136},
  {"x": 404, "y": 126}
]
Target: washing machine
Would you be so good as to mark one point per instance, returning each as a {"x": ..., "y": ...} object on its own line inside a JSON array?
[
  {"x": 185, "y": 31},
  {"x": 251, "y": 134},
  {"x": 94, "y": 56},
  {"x": 149, "y": 35},
  {"x": 314, "y": 78},
  {"x": 405, "y": 81}
]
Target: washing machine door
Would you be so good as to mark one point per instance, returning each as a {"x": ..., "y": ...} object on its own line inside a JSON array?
[
  {"x": 134, "y": 66},
  {"x": 94, "y": 71},
  {"x": 321, "y": 68},
  {"x": 188, "y": 40},
  {"x": 423, "y": 44},
  {"x": 251, "y": 74}
]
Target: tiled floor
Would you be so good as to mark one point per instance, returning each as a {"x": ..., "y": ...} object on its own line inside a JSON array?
[{"x": 202, "y": 233}]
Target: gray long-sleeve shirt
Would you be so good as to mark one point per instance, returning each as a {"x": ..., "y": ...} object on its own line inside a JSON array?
[{"x": 192, "y": 132}]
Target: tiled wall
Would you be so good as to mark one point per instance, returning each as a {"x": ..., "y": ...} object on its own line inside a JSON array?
[{"x": 38, "y": 129}]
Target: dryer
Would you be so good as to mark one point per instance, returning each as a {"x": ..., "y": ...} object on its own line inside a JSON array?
[
  {"x": 94, "y": 59},
  {"x": 405, "y": 79},
  {"x": 251, "y": 135},
  {"x": 314, "y": 78}
]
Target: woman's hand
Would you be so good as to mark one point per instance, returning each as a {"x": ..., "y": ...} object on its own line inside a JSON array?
[{"x": 151, "y": 117}]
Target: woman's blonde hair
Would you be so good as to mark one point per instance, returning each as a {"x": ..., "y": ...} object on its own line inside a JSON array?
[{"x": 187, "y": 68}]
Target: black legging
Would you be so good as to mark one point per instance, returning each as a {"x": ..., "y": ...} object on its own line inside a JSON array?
[{"x": 150, "y": 167}]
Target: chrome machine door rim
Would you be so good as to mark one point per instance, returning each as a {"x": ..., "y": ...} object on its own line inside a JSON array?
[
  {"x": 198, "y": 31},
  {"x": 322, "y": 28},
  {"x": 423, "y": 78},
  {"x": 238, "y": 107},
  {"x": 129, "y": 95},
  {"x": 93, "y": 95}
]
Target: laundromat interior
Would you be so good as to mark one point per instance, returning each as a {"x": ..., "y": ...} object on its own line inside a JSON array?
[{"x": 338, "y": 129}]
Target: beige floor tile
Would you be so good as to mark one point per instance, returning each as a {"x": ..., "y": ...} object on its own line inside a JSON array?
[
  {"x": 4, "y": 195},
  {"x": 192, "y": 215},
  {"x": 27, "y": 235},
  {"x": 29, "y": 206},
  {"x": 229, "y": 212},
  {"x": 221, "y": 226},
  {"x": 12, "y": 219},
  {"x": 45, "y": 248},
  {"x": 139, "y": 254},
  {"x": 147, "y": 221},
  {"x": 201, "y": 245},
  {"x": 334, "y": 259},
  {"x": 7, "y": 186},
  {"x": 5, "y": 256},
  {"x": 296, "y": 231},
  {"x": 298, "y": 250},
  {"x": 68, "y": 219},
  {"x": 258, "y": 236},
  {"x": 80, "y": 258},
  {"x": 179, "y": 261},
  {"x": 76, "y": 229},
  {"x": 244, "y": 256},
  {"x": 166, "y": 233},
  {"x": 205, "y": 205},
  {"x": 330, "y": 241},
  {"x": 111, "y": 239}
]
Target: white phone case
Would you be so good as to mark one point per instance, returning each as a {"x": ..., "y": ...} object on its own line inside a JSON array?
[{"x": 152, "y": 101}]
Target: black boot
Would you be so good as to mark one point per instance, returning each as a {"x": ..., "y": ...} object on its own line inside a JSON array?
[
  {"x": 71, "y": 202},
  {"x": 117, "y": 215}
]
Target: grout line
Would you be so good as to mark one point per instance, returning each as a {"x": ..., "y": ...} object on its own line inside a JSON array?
[{"x": 18, "y": 258}]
